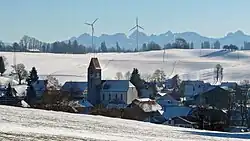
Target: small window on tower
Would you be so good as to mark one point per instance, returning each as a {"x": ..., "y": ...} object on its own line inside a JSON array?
[
  {"x": 109, "y": 97},
  {"x": 103, "y": 96}
]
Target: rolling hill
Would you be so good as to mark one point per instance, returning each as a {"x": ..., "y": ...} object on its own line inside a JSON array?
[
  {"x": 189, "y": 64},
  {"x": 31, "y": 124}
]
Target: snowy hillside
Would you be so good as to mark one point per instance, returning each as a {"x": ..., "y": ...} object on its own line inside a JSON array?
[
  {"x": 190, "y": 64},
  {"x": 30, "y": 124}
]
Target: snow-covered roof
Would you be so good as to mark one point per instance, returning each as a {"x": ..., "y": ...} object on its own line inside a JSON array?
[
  {"x": 5, "y": 81},
  {"x": 117, "y": 85},
  {"x": 144, "y": 99},
  {"x": 80, "y": 103},
  {"x": 21, "y": 90},
  {"x": 161, "y": 94},
  {"x": 24, "y": 104},
  {"x": 175, "y": 111},
  {"x": 147, "y": 105}
]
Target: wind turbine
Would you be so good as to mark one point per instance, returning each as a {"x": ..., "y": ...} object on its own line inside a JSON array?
[
  {"x": 137, "y": 26},
  {"x": 92, "y": 29}
]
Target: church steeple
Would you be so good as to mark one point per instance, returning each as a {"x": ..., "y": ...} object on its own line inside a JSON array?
[{"x": 94, "y": 81}]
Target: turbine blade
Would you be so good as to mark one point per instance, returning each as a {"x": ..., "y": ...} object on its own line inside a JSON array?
[
  {"x": 95, "y": 20},
  {"x": 132, "y": 28},
  {"x": 141, "y": 27},
  {"x": 87, "y": 24}
]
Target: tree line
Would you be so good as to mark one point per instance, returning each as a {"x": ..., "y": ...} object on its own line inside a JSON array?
[{"x": 30, "y": 44}]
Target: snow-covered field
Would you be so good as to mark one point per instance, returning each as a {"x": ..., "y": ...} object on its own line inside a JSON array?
[
  {"x": 190, "y": 64},
  {"x": 29, "y": 124}
]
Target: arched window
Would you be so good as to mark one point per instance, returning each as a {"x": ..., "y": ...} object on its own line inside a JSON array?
[
  {"x": 109, "y": 97},
  {"x": 121, "y": 97},
  {"x": 115, "y": 96}
]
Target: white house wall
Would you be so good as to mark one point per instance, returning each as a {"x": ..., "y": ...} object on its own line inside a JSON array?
[{"x": 132, "y": 94}]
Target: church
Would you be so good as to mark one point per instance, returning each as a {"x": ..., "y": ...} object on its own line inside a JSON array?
[{"x": 105, "y": 92}]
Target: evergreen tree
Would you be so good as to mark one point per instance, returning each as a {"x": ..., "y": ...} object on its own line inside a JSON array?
[
  {"x": 217, "y": 45},
  {"x": 192, "y": 45},
  {"x": 103, "y": 47},
  {"x": 118, "y": 48},
  {"x": 33, "y": 77},
  {"x": 2, "y": 66},
  {"x": 144, "y": 47},
  {"x": 202, "y": 45},
  {"x": 9, "y": 91},
  {"x": 31, "y": 95},
  {"x": 136, "y": 80}
]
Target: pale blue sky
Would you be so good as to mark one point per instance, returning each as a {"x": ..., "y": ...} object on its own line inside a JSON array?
[{"x": 50, "y": 20}]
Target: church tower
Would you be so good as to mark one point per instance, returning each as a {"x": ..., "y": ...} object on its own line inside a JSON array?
[{"x": 94, "y": 82}]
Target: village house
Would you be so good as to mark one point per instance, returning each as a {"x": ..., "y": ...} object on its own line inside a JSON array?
[
  {"x": 216, "y": 97},
  {"x": 20, "y": 91},
  {"x": 144, "y": 109},
  {"x": 175, "y": 111},
  {"x": 148, "y": 91},
  {"x": 171, "y": 83},
  {"x": 107, "y": 92},
  {"x": 232, "y": 85},
  {"x": 181, "y": 121},
  {"x": 117, "y": 92},
  {"x": 40, "y": 86},
  {"x": 77, "y": 90},
  {"x": 8, "y": 97},
  {"x": 193, "y": 88},
  {"x": 81, "y": 106},
  {"x": 166, "y": 100}
]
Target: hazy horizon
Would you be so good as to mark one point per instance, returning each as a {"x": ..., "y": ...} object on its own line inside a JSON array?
[{"x": 61, "y": 19}]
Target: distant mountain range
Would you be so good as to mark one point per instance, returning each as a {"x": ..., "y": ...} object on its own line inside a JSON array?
[{"x": 129, "y": 42}]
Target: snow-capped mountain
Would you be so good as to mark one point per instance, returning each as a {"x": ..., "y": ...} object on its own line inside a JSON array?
[{"x": 129, "y": 42}]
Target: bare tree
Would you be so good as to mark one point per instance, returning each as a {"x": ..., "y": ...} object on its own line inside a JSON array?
[
  {"x": 119, "y": 76},
  {"x": 20, "y": 72},
  {"x": 5, "y": 61},
  {"x": 218, "y": 73},
  {"x": 243, "y": 101},
  {"x": 127, "y": 75},
  {"x": 146, "y": 77},
  {"x": 159, "y": 76},
  {"x": 53, "y": 83},
  {"x": 2, "y": 66}
]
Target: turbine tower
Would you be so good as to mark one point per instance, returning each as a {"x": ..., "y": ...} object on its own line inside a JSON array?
[
  {"x": 92, "y": 35},
  {"x": 137, "y": 26}
]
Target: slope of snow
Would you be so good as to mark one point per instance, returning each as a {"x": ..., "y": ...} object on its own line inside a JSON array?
[
  {"x": 30, "y": 124},
  {"x": 6, "y": 80},
  {"x": 190, "y": 64}
]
